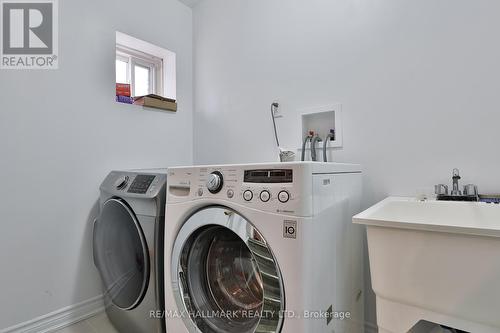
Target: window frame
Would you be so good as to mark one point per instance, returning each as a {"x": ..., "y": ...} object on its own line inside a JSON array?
[
  {"x": 137, "y": 58},
  {"x": 120, "y": 57},
  {"x": 169, "y": 70}
]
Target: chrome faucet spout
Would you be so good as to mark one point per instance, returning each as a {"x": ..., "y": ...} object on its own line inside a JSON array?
[{"x": 456, "y": 177}]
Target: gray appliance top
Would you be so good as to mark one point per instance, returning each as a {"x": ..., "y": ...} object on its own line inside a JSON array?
[{"x": 141, "y": 183}]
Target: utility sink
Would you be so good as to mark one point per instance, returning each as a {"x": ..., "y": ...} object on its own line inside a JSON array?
[{"x": 435, "y": 261}]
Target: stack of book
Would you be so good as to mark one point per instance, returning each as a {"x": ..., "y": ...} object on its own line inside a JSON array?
[
  {"x": 123, "y": 94},
  {"x": 155, "y": 101}
]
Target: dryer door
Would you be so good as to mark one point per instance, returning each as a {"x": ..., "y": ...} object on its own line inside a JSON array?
[
  {"x": 121, "y": 255},
  {"x": 225, "y": 275}
]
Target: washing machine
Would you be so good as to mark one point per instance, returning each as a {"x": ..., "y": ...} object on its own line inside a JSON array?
[
  {"x": 128, "y": 242},
  {"x": 264, "y": 248}
]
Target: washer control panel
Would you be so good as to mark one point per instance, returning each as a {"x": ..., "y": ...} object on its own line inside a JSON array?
[
  {"x": 271, "y": 188},
  {"x": 271, "y": 185}
]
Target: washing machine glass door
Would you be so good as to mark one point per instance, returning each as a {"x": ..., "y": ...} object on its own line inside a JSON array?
[
  {"x": 121, "y": 255},
  {"x": 225, "y": 275}
]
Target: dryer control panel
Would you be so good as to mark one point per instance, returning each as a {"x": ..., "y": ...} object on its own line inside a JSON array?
[
  {"x": 144, "y": 184},
  {"x": 141, "y": 184}
]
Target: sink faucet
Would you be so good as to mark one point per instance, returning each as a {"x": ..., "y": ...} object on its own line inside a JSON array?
[
  {"x": 470, "y": 192},
  {"x": 456, "y": 177}
]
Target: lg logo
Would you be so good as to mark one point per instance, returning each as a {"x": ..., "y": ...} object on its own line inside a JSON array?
[
  {"x": 289, "y": 229},
  {"x": 29, "y": 34}
]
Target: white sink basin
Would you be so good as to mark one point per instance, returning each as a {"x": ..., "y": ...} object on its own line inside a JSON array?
[
  {"x": 473, "y": 218},
  {"x": 436, "y": 261}
]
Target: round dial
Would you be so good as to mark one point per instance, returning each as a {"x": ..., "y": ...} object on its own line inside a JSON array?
[
  {"x": 215, "y": 182},
  {"x": 121, "y": 182}
]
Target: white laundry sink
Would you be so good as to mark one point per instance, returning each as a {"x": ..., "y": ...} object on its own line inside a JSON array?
[{"x": 436, "y": 261}]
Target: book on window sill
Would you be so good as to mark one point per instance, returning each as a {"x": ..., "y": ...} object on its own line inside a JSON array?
[
  {"x": 156, "y": 101},
  {"x": 124, "y": 99},
  {"x": 123, "y": 89}
]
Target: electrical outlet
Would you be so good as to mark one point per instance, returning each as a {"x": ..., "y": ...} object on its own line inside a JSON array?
[{"x": 277, "y": 113}]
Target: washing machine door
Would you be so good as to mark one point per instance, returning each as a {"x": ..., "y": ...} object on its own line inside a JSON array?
[
  {"x": 225, "y": 276},
  {"x": 121, "y": 255}
]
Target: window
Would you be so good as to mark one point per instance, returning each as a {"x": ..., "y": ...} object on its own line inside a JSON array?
[
  {"x": 141, "y": 70},
  {"x": 149, "y": 69}
]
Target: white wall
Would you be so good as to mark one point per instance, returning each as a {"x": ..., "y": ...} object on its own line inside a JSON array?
[
  {"x": 418, "y": 80},
  {"x": 60, "y": 134}
]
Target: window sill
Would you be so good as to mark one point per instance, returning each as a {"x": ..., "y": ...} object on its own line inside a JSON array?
[{"x": 154, "y": 104}]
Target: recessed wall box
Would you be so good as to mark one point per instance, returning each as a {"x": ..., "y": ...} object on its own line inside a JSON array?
[{"x": 321, "y": 120}]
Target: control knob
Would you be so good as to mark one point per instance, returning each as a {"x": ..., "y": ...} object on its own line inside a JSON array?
[
  {"x": 283, "y": 196},
  {"x": 248, "y": 195},
  {"x": 265, "y": 196},
  {"x": 215, "y": 182},
  {"x": 121, "y": 182}
]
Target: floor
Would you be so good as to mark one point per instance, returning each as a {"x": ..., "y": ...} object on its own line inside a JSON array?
[{"x": 97, "y": 324}]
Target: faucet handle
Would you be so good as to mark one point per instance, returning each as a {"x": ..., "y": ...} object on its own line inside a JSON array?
[
  {"x": 441, "y": 189},
  {"x": 470, "y": 189}
]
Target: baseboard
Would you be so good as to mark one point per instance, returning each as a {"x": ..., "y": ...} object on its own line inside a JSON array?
[
  {"x": 371, "y": 328},
  {"x": 59, "y": 319}
]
